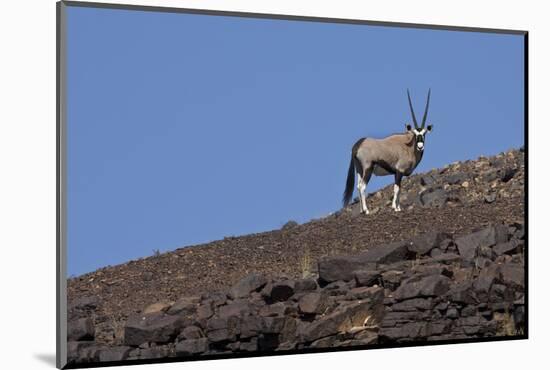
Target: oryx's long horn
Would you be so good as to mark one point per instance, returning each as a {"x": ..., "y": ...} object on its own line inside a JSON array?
[
  {"x": 412, "y": 110},
  {"x": 426, "y": 110}
]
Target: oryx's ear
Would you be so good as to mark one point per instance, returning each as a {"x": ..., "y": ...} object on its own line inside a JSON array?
[
  {"x": 408, "y": 127},
  {"x": 430, "y": 128}
]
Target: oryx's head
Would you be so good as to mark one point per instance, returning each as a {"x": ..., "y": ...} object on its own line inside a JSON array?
[{"x": 419, "y": 131}]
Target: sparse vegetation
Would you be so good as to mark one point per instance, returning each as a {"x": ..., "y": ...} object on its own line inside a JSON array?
[
  {"x": 506, "y": 325},
  {"x": 305, "y": 263}
]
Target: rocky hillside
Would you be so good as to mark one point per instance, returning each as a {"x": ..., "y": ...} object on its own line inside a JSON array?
[{"x": 449, "y": 266}]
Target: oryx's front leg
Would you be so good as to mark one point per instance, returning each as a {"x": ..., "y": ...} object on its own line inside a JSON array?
[{"x": 396, "y": 191}]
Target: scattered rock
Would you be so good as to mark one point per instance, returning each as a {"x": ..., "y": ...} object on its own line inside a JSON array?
[
  {"x": 490, "y": 198},
  {"x": 457, "y": 178},
  {"x": 433, "y": 197},
  {"x": 147, "y": 276},
  {"x": 427, "y": 180},
  {"x": 289, "y": 225}
]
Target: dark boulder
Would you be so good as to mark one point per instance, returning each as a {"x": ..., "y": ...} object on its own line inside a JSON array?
[
  {"x": 275, "y": 309},
  {"x": 191, "y": 347},
  {"x": 342, "y": 319},
  {"x": 510, "y": 247},
  {"x": 278, "y": 291},
  {"x": 457, "y": 178},
  {"x": 80, "y": 329},
  {"x": 414, "y": 304},
  {"x": 312, "y": 303},
  {"x": 273, "y": 324},
  {"x": 427, "y": 180},
  {"x": 436, "y": 197},
  {"x": 289, "y": 225},
  {"x": 406, "y": 332},
  {"x": 342, "y": 268},
  {"x": 367, "y": 278},
  {"x": 490, "y": 198},
  {"x": 253, "y": 282},
  {"x": 221, "y": 329},
  {"x": 204, "y": 311},
  {"x": 388, "y": 253},
  {"x": 462, "y": 293},
  {"x": 154, "y": 352},
  {"x": 192, "y": 332},
  {"x": 359, "y": 293},
  {"x": 249, "y": 346},
  {"x": 236, "y": 308},
  {"x": 508, "y": 174},
  {"x": 345, "y": 267},
  {"x": 469, "y": 245},
  {"x": 392, "y": 279},
  {"x": 429, "y": 286},
  {"x": 251, "y": 326},
  {"x": 155, "y": 327},
  {"x": 82, "y": 351},
  {"x": 513, "y": 275},
  {"x": 184, "y": 306},
  {"x": 490, "y": 175},
  {"x": 483, "y": 283},
  {"x": 86, "y": 303},
  {"x": 119, "y": 353},
  {"x": 268, "y": 342},
  {"x": 305, "y": 285},
  {"x": 424, "y": 243}
]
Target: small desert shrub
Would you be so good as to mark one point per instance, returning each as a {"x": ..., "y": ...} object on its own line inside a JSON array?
[
  {"x": 506, "y": 325},
  {"x": 305, "y": 264}
]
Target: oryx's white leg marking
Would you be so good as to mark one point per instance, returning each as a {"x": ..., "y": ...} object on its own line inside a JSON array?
[
  {"x": 361, "y": 186},
  {"x": 395, "y": 202}
]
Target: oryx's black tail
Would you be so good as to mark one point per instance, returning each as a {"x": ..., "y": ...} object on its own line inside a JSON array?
[
  {"x": 354, "y": 164},
  {"x": 350, "y": 182}
]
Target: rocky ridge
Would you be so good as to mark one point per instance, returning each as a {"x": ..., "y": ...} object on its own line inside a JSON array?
[{"x": 449, "y": 267}]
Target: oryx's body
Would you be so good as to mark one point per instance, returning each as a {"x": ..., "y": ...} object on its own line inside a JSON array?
[{"x": 396, "y": 155}]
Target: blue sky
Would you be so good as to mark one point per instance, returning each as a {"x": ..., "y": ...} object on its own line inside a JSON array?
[{"x": 184, "y": 129}]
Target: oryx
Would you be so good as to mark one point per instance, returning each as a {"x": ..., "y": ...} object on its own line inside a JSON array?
[{"x": 397, "y": 154}]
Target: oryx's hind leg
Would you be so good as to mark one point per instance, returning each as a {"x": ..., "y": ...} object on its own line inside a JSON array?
[
  {"x": 362, "y": 181},
  {"x": 396, "y": 192}
]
